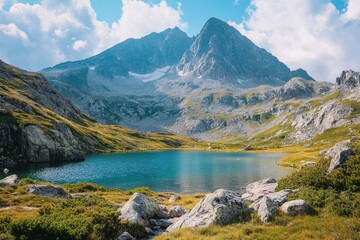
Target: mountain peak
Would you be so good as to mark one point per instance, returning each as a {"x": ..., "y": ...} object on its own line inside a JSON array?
[{"x": 221, "y": 52}]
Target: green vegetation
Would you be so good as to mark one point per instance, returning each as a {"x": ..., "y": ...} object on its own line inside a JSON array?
[
  {"x": 355, "y": 105},
  {"x": 334, "y": 199}
]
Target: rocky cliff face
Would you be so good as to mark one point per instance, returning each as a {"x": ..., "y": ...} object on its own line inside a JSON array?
[{"x": 24, "y": 97}]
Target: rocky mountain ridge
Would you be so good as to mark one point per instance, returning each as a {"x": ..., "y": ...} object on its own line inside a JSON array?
[
  {"x": 37, "y": 124},
  {"x": 221, "y": 52},
  {"x": 156, "y": 83}
]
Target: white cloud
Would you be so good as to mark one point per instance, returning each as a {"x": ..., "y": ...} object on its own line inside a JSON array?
[
  {"x": 13, "y": 31},
  {"x": 313, "y": 35},
  {"x": 69, "y": 29},
  {"x": 353, "y": 10},
  {"x": 79, "y": 44}
]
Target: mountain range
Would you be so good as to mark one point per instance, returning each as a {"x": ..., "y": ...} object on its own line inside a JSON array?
[
  {"x": 148, "y": 83},
  {"x": 37, "y": 124},
  {"x": 168, "y": 82}
]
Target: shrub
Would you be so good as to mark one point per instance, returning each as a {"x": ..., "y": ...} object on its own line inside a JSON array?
[
  {"x": 74, "y": 219},
  {"x": 83, "y": 187}
]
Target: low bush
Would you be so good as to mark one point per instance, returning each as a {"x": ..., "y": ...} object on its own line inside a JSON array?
[
  {"x": 77, "y": 219},
  {"x": 83, "y": 187}
]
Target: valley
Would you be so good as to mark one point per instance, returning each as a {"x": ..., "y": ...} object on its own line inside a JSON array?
[{"x": 186, "y": 117}]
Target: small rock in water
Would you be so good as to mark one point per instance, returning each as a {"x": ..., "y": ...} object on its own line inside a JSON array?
[{"x": 6, "y": 171}]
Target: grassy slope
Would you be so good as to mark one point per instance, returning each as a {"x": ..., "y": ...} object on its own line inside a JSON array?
[{"x": 105, "y": 137}]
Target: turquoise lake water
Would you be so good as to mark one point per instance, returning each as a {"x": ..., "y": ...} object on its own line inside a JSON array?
[{"x": 175, "y": 171}]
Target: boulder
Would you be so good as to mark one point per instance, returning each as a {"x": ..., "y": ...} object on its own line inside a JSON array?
[
  {"x": 176, "y": 211},
  {"x": 47, "y": 191},
  {"x": 295, "y": 207},
  {"x": 267, "y": 208},
  {"x": 338, "y": 154},
  {"x": 277, "y": 198},
  {"x": 256, "y": 190},
  {"x": 140, "y": 209},
  {"x": 174, "y": 198},
  {"x": 126, "y": 236},
  {"x": 10, "y": 180},
  {"x": 220, "y": 207}
]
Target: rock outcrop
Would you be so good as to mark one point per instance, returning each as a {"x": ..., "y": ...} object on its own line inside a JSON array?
[
  {"x": 259, "y": 189},
  {"x": 267, "y": 209},
  {"x": 295, "y": 207},
  {"x": 338, "y": 154},
  {"x": 10, "y": 180},
  {"x": 263, "y": 198},
  {"x": 47, "y": 191},
  {"x": 349, "y": 79},
  {"x": 140, "y": 209},
  {"x": 220, "y": 207}
]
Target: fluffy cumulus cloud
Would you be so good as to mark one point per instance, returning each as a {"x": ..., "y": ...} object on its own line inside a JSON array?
[
  {"x": 313, "y": 35},
  {"x": 34, "y": 36}
]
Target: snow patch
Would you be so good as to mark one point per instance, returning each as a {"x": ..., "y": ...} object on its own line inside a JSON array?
[{"x": 157, "y": 74}]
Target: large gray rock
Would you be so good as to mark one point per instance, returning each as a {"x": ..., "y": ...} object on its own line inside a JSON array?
[
  {"x": 126, "y": 236},
  {"x": 267, "y": 208},
  {"x": 277, "y": 198},
  {"x": 338, "y": 154},
  {"x": 256, "y": 190},
  {"x": 349, "y": 80},
  {"x": 295, "y": 207},
  {"x": 220, "y": 207},
  {"x": 47, "y": 191},
  {"x": 140, "y": 209},
  {"x": 10, "y": 180}
]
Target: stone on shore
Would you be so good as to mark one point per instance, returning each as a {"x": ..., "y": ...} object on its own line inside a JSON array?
[
  {"x": 220, "y": 207},
  {"x": 47, "y": 191}
]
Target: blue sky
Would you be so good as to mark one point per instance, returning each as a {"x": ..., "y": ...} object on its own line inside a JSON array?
[
  {"x": 195, "y": 12},
  {"x": 320, "y": 36}
]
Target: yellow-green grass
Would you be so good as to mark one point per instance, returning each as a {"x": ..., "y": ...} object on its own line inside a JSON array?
[
  {"x": 15, "y": 197},
  {"x": 317, "y": 102},
  {"x": 355, "y": 105},
  {"x": 106, "y": 137},
  {"x": 326, "y": 227}
]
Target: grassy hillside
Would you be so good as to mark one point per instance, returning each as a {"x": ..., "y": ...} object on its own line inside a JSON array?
[{"x": 26, "y": 99}]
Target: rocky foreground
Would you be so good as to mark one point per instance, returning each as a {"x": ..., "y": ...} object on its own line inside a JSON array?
[{"x": 220, "y": 207}]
